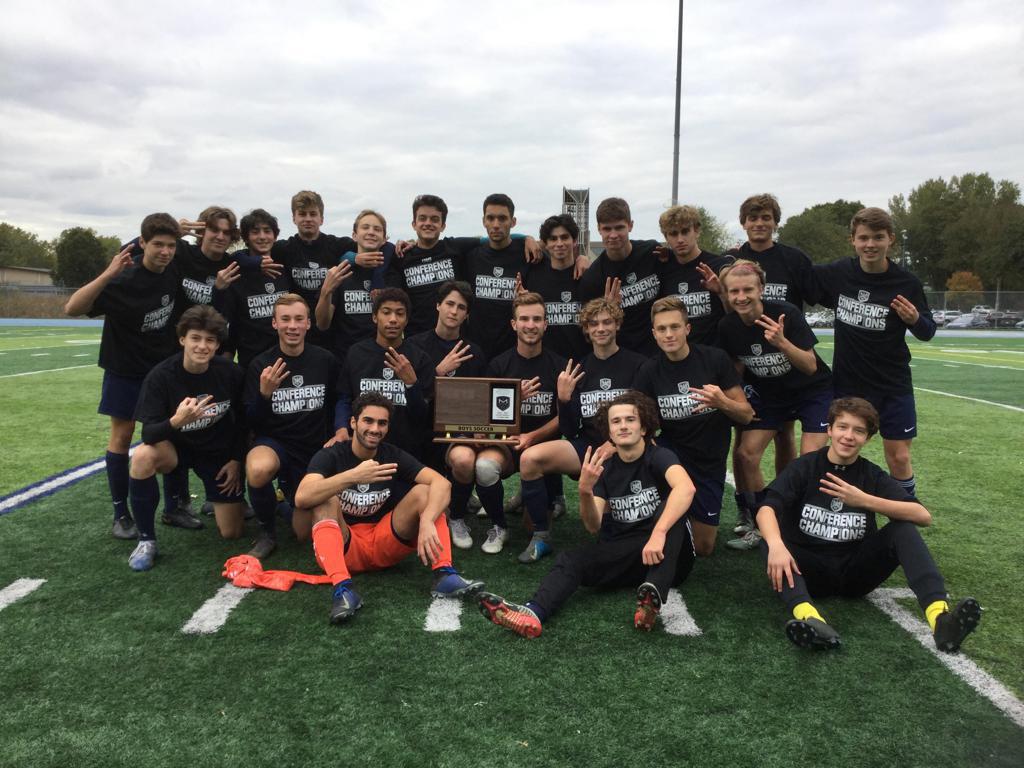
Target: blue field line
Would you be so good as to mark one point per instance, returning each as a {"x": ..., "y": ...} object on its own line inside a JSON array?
[{"x": 50, "y": 485}]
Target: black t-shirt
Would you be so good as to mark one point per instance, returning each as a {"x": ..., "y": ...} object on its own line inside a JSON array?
[
  {"x": 198, "y": 274},
  {"x": 248, "y": 306},
  {"x": 366, "y": 502},
  {"x": 364, "y": 371},
  {"x": 787, "y": 273},
  {"x": 221, "y": 431},
  {"x": 871, "y": 354},
  {"x": 300, "y": 413},
  {"x": 137, "y": 306},
  {"x": 561, "y": 292},
  {"x": 306, "y": 264},
  {"x": 635, "y": 492},
  {"x": 703, "y": 308},
  {"x": 602, "y": 380},
  {"x": 420, "y": 273},
  {"x": 699, "y": 438},
  {"x": 640, "y": 287},
  {"x": 353, "y": 312},
  {"x": 437, "y": 349},
  {"x": 810, "y": 518},
  {"x": 538, "y": 409},
  {"x": 764, "y": 366},
  {"x": 492, "y": 274}
]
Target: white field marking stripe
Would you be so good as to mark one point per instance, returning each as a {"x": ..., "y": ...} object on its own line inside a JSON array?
[
  {"x": 443, "y": 615},
  {"x": 18, "y": 589},
  {"x": 980, "y": 680},
  {"x": 48, "y": 370},
  {"x": 676, "y": 619},
  {"x": 53, "y": 346},
  {"x": 51, "y": 485},
  {"x": 214, "y": 612},
  {"x": 927, "y": 359},
  {"x": 729, "y": 479},
  {"x": 972, "y": 399},
  {"x": 40, "y": 354}
]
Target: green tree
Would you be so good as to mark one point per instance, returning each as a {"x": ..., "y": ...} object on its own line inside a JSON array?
[
  {"x": 714, "y": 236},
  {"x": 822, "y": 231},
  {"x": 19, "y": 248},
  {"x": 111, "y": 244},
  {"x": 80, "y": 257}
]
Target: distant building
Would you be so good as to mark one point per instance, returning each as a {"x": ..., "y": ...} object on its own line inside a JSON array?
[
  {"x": 25, "y": 276},
  {"x": 576, "y": 202}
]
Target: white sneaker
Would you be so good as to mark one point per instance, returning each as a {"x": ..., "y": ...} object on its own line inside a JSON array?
[
  {"x": 514, "y": 505},
  {"x": 496, "y": 538},
  {"x": 460, "y": 534},
  {"x": 749, "y": 540},
  {"x": 142, "y": 557}
]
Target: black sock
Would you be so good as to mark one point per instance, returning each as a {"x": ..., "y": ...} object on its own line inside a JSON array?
[
  {"x": 535, "y": 499},
  {"x": 117, "y": 481},
  {"x": 264, "y": 504},
  {"x": 492, "y": 497},
  {"x": 460, "y": 499},
  {"x": 145, "y": 495}
]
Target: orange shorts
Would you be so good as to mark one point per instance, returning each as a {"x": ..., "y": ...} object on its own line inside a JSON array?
[{"x": 375, "y": 546}]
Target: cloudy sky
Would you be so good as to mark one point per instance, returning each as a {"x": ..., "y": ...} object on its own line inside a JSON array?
[{"x": 112, "y": 110}]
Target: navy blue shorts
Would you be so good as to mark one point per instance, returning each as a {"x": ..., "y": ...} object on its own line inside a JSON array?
[
  {"x": 293, "y": 466},
  {"x": 897, "y": 414},
  {"x": 206, "y": 466},
  {"x": 707, "y": 502},
  {"x": 119, "y": 396},
  {"x": 811, "y": 411},
  {"x": 579, "y": 445}
]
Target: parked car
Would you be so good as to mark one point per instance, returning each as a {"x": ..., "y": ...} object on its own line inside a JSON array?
[
  {"x": 1020, "y": 325},
  {"x": 970, "y": 320},
  {"x": 981, "y": 310}
]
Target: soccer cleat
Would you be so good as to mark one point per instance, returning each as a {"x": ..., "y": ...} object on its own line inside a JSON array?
[
  {"x": 345, "y": 602},
  {"x": 449, "y": 583},
  {"x": 518, "y": 618},
  {"x": 750, "y": 540},
  {"x": 142, "y": 557},
  {"x": 474, "y": 505},
  {"x": 461, "y": 537},
  {"x": 558, "y": 507},
  {"x": 496, "y": 538},
  {"x": 124, "y": 528},
  {"x": 952, "y": 627},
  {"x": 263, "y": 546},
  {"x": 812, "y": 633},
  {"x": 535, "y": 550},
  {"x": 648, "y": 606},
  {"x": 207, "y": 508},
  {"x": 744, "y": 523},
  {"x": 182, "y": 516},
  {"x": 514, "y": 505}
]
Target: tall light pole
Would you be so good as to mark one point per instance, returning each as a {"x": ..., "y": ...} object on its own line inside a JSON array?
[{"x": 679, "y": 85}]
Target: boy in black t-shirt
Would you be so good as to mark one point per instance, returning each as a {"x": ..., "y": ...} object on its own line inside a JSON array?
[
  {"x": 137, "y": 301},
  {"x": 821, "y": 538},
  {"x": 290, "y": 393},
  {"x": 554, "y": 279},
  {"x": 699, "y": 398},
  {"x": 634, "y": 501},
  {"x": 374, "y": 505},
  {"x": 603, "y": 375},
  {"x": 876, "y": 303},
  {"x": 682, "y": 274},
  {"x": 190, "y": 408},
  {"x": 773, "y": 347},
  {"x": 537, "y": 369}
]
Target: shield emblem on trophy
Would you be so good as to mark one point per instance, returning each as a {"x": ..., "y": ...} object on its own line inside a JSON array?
[
  {"x": 836, "y": 505},
  {"x": 863, "y": 296},
  {"x": 635, "y": 487},
  {"x": 297, "y": 380},
  {"x": 503, "y": 402},
  {"x": 605, "y": 384},
  {"x": 756, "y": 349}
]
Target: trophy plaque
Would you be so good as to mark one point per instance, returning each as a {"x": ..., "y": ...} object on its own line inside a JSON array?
[{"x": 466, "y": 408}]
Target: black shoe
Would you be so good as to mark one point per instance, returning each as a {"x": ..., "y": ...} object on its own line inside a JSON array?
[
  {"x": 263, "y": 546},
  {"x": 182, "y": 517},
  {"x": 812, "y": 633},
  {"x": 207, "y": 508},
  {"x": 952, "y": 627},
  {"x": 124, "y": 528},
  {"x": 345, "y": 603}
]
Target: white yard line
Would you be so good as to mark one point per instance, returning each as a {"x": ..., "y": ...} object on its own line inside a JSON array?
[
  {"x": 18, "y": 589},
  {"x": 50, "y": 486},
  {"x": 444, "y": 615},
  {"x": 927, "y": 359},
  {"x": 676, "y": 618},
  {"x": 972, "y": 399},
  {"x": 40, "y": 354},
  {"x": 961, "y": 666},
  {"x": 214, "y": 612},
  {"x": 48, "y": 370}
]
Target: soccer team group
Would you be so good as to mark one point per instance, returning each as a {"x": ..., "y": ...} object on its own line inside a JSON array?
[{"x": 637, "y": 372}]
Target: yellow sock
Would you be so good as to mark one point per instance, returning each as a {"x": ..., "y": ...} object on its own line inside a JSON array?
[
  {"x": 933, "y": 611},
  {"x": 805, "y": 611}
]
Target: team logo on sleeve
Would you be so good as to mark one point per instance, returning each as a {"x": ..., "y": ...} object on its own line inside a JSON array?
[
  {"x": 635, "y": 487},
  {"x": 756, "y": 349},
  {"x": 499, "y": 271},
  {"x": 863, "y": 295},
  {"x": 165, "y": 300},
  {"x": 684, "y": 387},
  {"x": 836, "y": 505},
  {"x": 269, "y": 287},
  {"x": 297, "y": 380},
  {"x": 605, "y": 384},
  {"x": 388, "y": 373}
]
